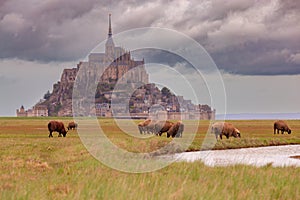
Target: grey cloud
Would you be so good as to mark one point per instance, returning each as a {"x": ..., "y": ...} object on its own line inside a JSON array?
[
  {"x": 257, "y": 58},
  {"x": 5, "y": 80},
  {"x": 295, "y": 58},
  {"x": 49, "y": 31},
  {"x": 243, "y": 37},
  {"x": 257, "y": 41},
  {"x": 64, "y": 30},
  {"x": 169, "y": 59},
  {"x": 288, "y": 6},
  {"x": 157, "y": 56}
]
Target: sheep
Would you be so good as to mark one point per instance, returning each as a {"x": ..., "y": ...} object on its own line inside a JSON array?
[
  {"x": 281, "y": 125},
  {"x": 176, "y": 130},
  {"x": 58, "y": 127},
  {"x": 146, "y": 126},
  {"x": 162, "y": 126},
  {"x": 72, "y": 125},
  {"x": 224, "y": 128}
]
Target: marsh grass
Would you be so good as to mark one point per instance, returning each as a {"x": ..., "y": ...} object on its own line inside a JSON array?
[{"x": 34, "y": 166}]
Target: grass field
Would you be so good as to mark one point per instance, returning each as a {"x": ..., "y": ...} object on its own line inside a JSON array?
[{"x": 34, "y": 166}]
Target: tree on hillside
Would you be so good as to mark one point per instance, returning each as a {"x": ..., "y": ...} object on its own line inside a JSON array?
[
  {"x": 47, "y": 95},
  {"x": 166, "y": 92}
]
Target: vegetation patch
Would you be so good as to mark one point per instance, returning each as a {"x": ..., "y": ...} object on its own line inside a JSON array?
[{"x": 34, "y": 166}]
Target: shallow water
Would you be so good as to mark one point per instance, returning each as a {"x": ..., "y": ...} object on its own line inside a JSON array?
[{"x": 278, "y": 156}]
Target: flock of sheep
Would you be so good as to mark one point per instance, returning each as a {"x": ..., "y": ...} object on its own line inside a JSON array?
[
  {"x": 176, "y": 129},
  {"x": 56, "y": 126},
  {"x": 227, "y": 129},
  {"x": 218, "y": 128},
  {"x": 173, "y": 129},
  {"x": 160, "y": 127}
]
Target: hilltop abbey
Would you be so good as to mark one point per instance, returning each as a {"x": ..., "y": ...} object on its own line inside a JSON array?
[
  {"x": 111, "y": 66},
  {"x": 117, "y": 58}
]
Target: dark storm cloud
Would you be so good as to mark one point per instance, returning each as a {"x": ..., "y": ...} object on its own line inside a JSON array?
[
  {"x": 166, "y": 58},
  {"x": 260, "y": 38},
  {"x": 157, "y": 56},
  {"x": 243, "y": 37},
  {"x": 48, "y": 30}
]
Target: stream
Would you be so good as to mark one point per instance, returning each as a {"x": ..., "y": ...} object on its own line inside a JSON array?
[{"x": 277, "y": 156}]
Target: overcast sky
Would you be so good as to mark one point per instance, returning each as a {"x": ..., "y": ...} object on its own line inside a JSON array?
[{"x": 255, "y": 44}]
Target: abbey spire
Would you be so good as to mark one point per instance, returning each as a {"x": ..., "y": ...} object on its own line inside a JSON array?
[
  {"x": 109, "y": 45},
  {"x": 109, "y": 26}
]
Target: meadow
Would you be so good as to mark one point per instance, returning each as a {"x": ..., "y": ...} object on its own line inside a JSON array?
[{"x": 34, "y": 166}]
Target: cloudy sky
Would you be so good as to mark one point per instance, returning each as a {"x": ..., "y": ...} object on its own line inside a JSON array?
[{"x": 255, "y": 44}]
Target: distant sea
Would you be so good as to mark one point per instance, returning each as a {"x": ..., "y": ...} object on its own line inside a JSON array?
[{"x": 252, "y": 116}]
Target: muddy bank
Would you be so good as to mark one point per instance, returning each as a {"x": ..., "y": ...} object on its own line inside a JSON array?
[{"x": 277, "y": 156}]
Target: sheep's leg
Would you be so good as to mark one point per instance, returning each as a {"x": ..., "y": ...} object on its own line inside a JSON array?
[{"x": 140, "y": 130}]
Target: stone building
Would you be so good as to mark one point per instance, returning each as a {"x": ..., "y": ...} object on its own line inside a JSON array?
[
  {"x": 36, "y": 111},
  {"x": 105, "y": 70},
  {"x": 21, "y": 112},
  {"x": 112, "y": 65}
]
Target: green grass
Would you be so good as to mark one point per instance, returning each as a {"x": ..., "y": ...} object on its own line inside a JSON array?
[{"x": 34, "y": 166}]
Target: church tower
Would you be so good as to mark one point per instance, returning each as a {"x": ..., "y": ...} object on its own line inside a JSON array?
[{"x": 109, "y": 45}]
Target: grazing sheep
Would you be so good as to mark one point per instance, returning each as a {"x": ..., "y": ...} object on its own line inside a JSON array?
[
  {"x": 58, "y": 127},
  {"x": 176, "y": 130},
  {"x": 143, "y": 126},
  {"x": 150, "y": 128},
  {"x": 224, "y": 128},
  {"x": 162, "y": 126},
  {"x": 72, "y": 125},
  {"x": 281, "y": 125}
]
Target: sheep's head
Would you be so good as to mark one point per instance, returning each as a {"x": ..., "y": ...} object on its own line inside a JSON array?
[{"x": 238, "y": 133}]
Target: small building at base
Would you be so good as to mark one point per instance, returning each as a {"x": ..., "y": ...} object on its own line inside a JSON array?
[
  {"x": 21, "y": 112},
  {"x": 36, "y": 111}
]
